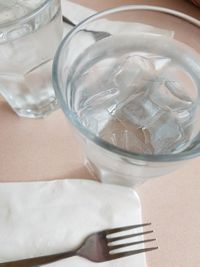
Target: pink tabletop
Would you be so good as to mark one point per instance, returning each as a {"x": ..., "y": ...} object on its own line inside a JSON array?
[
  {"x": 47, "y": 149},
  {"x": 181, "y": 5}
]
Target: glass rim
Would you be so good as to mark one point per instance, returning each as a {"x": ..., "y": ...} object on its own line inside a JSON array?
[
  {"x": 72, "y": 116},
  {"x": 27, "y": 16}
]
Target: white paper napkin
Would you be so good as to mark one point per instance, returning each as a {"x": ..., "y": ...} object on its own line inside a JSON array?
[
  {"x": 76, "y": 13},
  {"x": 39, "y": 218}
]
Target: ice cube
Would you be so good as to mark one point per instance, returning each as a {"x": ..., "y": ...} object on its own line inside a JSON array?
[
  {"x": 175, "y": 88},
  {"x": 97, "y": 90},
  {"x": 102, "y": 97},
  {"x": 125, "y": 135},
  {"x": 166, "y": 118},
  {"x": 140, "y": 111},
  {"x": 178, "y": 91},
  {"x": 132, "y": 72},
  {"x": 137, "y": 67},
  {"x": 129, "y": 71},
  {"x": 91, "y": 123},
  {"x": 171, "y": 93},
  {"x": 164, "y": 133},
  {"x": 156, "y": 63},
  {"x": 137, "y": 74}
]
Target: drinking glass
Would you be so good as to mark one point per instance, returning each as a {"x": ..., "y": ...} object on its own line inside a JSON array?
[
  {"x": 30, "y": 32},
  {"x": 128, "y": 80}
]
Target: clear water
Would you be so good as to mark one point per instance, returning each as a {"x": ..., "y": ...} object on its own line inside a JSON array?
[
  {"x": 26, "y": 55},
  {"x": 140, "y": 93},
  {"x": 15, "y": 9}
]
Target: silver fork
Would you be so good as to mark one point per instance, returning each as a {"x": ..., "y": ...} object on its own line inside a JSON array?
[
  {"x": 96, "y": 247},
  {"x": 98, "y": 35}
]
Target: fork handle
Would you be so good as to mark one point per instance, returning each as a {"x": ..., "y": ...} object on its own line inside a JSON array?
[{"x": 35, "y": 262}]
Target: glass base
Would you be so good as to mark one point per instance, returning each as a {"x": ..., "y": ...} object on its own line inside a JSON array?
[
  {"x": 37, "y": 112},
  {"x": 108, "y": 177}
]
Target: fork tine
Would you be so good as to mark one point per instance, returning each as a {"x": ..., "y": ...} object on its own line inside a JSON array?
[
  {"x": 125, "y": 228},
  {"x": 127, "y": 236},
  {"x": 130, "y": 244},
  {"x": 132, "y": 252}
]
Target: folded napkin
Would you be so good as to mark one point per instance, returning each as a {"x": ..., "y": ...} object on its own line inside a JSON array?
[
  {"x": 76, "y": 13},
  {"x": 40, "y": 218}
]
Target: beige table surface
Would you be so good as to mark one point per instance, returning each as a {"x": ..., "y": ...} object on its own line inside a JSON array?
[{"x": 46, "y": 149}]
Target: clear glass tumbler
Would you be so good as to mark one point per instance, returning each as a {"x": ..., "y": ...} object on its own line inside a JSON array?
[
  {"x": 30, "y": 32},
  {"x": 128, "y": 79}
]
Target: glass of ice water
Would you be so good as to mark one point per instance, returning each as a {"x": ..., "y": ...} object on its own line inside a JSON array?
[
  {"x": 30, "y": 32},
  {"x": 128, "y": 79}
]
